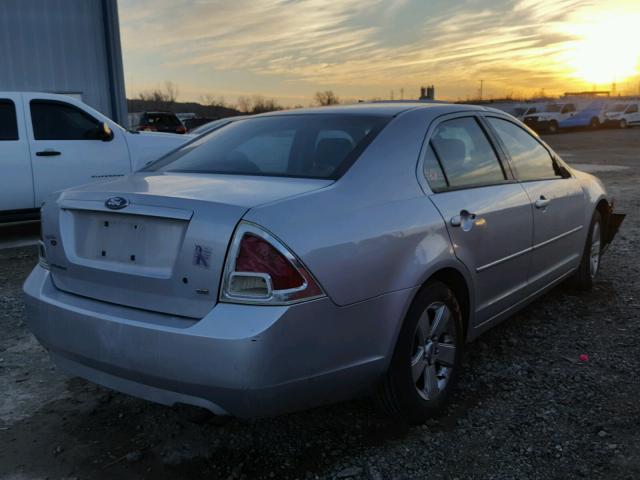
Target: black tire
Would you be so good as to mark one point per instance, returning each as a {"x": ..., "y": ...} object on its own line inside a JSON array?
[
  {"x": 583, "y": 278},
  {"x": 622, "y": 124},
  {"x": 553, "y": 127},
  {"x": 594, "y": 124},
  {"x": 398, "y": 394}
]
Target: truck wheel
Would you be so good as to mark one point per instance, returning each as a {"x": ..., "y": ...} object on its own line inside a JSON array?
[
  {"x": 426, "y": 360},
  {"x": 590, "y": 264},
  {"x": 553, "y": 127}
]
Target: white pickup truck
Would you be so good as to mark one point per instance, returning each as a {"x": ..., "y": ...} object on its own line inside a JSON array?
[{"x": 50, "y": 142}]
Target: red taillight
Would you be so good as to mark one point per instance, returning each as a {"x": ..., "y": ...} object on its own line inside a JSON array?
[
  {"x": 258, "y": 256},
  {"x": 181, "y": 129},
  {"x": 261, "y": 270}
]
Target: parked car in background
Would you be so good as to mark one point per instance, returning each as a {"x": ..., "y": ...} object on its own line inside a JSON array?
[
  {"x": 592, "y": 116},
  {"x": 51, "y": 142},
  {"x": 623, "y": 115},
  {"x": 165, "y": 122},
  {"x": 185, "y": 116},
  {"x": 522, "y": 111},
  {"x": 284, "y": 262},
  {"x": 549, "y": 117}
]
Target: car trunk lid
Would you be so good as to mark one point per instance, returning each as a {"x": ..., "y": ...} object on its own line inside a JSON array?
[{"x": 164, "y": 250}]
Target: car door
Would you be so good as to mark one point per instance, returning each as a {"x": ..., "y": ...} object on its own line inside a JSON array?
[
  {"x": 16, "y": 184},
  {"x": 66, "y": 149},
  {"x": 557, "y": 199},
  {"x": 632, "y": 114},
  {"x": 488, "y": 214}
]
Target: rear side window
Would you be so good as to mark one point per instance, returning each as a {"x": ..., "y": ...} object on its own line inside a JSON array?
[
  {"x": 433, "y": 171},
  {"x": 8, "y": 122},
  {"x": 309, "y": 146},
  {"x": 61, "y": 121},
  {"x": 531, "y": 160},
  {"x": 465, "y": 154}
]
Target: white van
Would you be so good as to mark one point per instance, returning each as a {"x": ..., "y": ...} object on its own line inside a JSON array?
[
  {"x": 623, "y": 115},
  {"x": 548, "y": 117},
  {"x": 50, "y": 142}
]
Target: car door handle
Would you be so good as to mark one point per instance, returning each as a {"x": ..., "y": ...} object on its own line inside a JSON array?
[
  {"x": 542, "y": 202},
  {"x": 465, "y": 220},
  {"x": 47, "y": 153}
]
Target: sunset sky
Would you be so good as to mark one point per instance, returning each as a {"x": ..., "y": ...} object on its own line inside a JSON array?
[{"x": 363, "y": 49}]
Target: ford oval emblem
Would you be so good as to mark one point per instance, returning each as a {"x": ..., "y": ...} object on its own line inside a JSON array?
[{"x": 116, "y": 203}]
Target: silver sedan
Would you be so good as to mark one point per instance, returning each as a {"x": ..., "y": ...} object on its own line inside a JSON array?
[{"x": 293, "y": 259}]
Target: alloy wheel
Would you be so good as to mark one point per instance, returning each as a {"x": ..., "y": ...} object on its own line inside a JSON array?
[
  {"x": 433, "y": 355},
  {"x": 594, "y": 254}
]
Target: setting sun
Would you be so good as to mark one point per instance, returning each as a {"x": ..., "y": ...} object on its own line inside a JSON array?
[{"x": 607, "y": 49}]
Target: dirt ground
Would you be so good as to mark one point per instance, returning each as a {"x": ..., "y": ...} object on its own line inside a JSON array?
[{"x": 525, "y": 407}]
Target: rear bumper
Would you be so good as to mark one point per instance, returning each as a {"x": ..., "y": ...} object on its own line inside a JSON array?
[{"x": 248, "y": 361}]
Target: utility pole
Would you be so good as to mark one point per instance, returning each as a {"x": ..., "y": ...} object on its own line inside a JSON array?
[
  {"x": 481, "y": 88},
  {"x": 391, "y": 94},
  {"x": 402, "y": 94}
]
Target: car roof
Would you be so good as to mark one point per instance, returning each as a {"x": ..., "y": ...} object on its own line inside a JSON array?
[{"x": 389, "y": 109}]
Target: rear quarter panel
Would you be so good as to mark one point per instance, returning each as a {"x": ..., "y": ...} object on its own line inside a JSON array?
[{"x": 374, "y": 231}]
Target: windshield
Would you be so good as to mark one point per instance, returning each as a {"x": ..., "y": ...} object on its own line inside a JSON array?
[
  {"x": 552, "y": 107},
  {"x": 618, "y": 107},
  {"x": 531, "y": 110},
  {"x": 310, "y": 146}
]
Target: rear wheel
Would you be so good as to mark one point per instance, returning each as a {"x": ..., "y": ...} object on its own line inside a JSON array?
[
  {"x": 590, "y": 264},
  {"x": 623, "y": 123},
  {"x": 427, "y": 356},
  {"x": 553, "y": 126}
]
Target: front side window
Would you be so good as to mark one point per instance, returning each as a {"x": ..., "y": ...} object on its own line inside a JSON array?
[
  {"x": 53, "y": 120},
  {"x": 465, "y": 154},
  {"x": 632, "y": 109},
  {"x": 531, "y": 160},
  {"x": 8, "y": 122},
  {"x": 309, "y": 146}
]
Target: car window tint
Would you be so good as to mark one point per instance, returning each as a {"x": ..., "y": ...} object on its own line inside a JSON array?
[
  {"x": 531, "y": 160},
  {"x": 60, "y": 121},
  {"x": 8, "y": 123},
  {"x": 632, "y": 109},
  {"x": 465, "y": 154},
  {"x": 163, "y": 119},
  {"x": 270, "y": 151},
  {"x": 311, "y": 146},
  {"x": 432, "y": 171}
]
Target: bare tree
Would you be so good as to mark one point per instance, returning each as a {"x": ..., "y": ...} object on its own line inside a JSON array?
[
  {"x": 171, "y": 91},
  {"x": 213, "y": 101},
  {"x": 257, "y": 104},
  {"x": 262, "y": 105},
  {"x": 326, "y": 98},
  {"x": 158, "y": 99}
]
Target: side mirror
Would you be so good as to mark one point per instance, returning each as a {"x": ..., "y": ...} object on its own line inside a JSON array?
[{"x": 104, "y": 132}]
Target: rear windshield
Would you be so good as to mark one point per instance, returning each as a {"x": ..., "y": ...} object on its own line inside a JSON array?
[
  {"x": 309, "y": 146},
  {"x": 552, "y": 107},
  {"x": 162, "y": 119}
]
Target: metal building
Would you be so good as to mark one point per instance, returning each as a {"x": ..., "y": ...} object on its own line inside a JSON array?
[{"x": 64, "y": 46}]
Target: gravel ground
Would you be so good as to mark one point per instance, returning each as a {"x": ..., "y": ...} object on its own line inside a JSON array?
[{"x": 526, "y": 405}]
